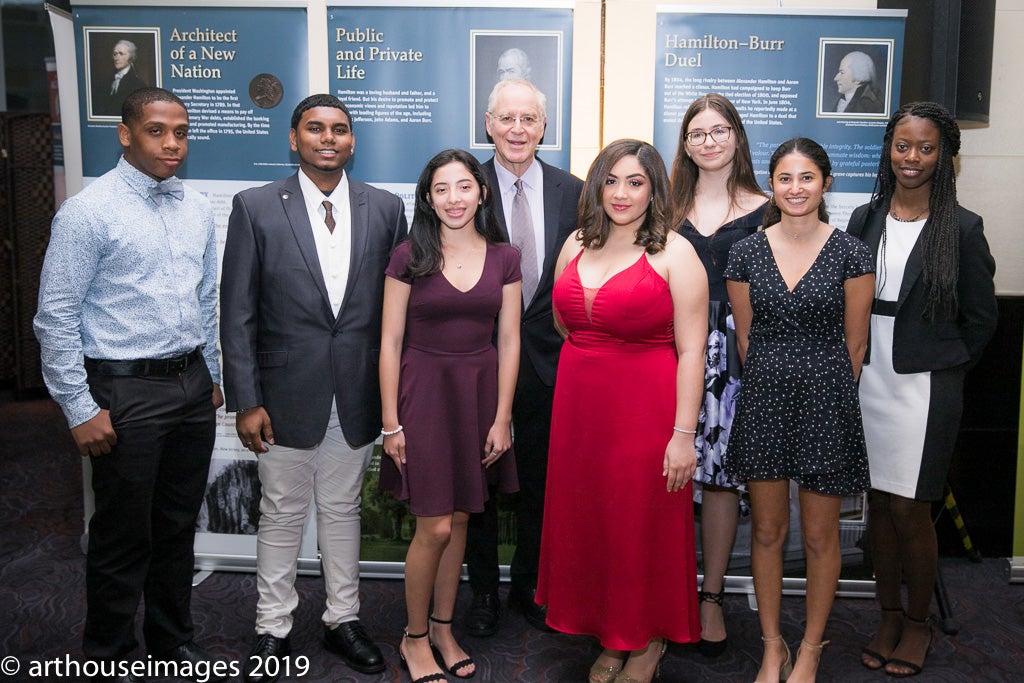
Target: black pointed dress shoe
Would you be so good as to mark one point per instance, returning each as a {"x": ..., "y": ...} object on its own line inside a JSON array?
[
  {"x": 481, "y": 619},
  {"x": 350, "y": 641},
  {"x": 522, "y": 600},
  {"x": 197, "y": 663},
  {"x": 262, "y": 665}
]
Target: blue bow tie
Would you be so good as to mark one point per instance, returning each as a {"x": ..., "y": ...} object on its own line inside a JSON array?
[{"x": 171, "y": 186}]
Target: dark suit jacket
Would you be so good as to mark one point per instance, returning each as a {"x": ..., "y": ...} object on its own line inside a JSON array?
[
  {"x": 920, "y": 344},
  {"x": 864, "y": 101},
  {"x": 283, "y": 347},
  {"x": 539, "y": 340},
  {"x": 110, "y": 105}
]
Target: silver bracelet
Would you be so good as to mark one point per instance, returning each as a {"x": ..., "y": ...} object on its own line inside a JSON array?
[
  {"x": 685, "y": 431},
  {"x": 384, "y": 432}
]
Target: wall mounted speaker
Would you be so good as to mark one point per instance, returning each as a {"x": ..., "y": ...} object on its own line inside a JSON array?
[{"x": 947, "y": 54}]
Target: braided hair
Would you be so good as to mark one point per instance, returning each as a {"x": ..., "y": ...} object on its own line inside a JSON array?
[{"x": 940, "y": 245}]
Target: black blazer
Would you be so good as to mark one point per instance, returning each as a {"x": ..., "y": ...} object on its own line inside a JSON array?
[
  {"x": 920, "y": 344},
  {"x": 539, "y": 339},
  {"x": 864, "y": 101},
  {"x": 283, "y": 347}
]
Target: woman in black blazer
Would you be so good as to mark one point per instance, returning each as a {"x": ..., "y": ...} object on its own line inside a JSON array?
[{"x": 934, "y": 312}]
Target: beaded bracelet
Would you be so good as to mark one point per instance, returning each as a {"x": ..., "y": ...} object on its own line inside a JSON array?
[
  {"x": 685, "y": 431},
  {"x": 384, "y": 432}
]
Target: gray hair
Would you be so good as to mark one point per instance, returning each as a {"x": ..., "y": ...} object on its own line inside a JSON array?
[
  {"x": 862, "y": 67},
  {"x": 131, "y": 49},
  {"x": 520, "y": 57},
  {"x": 542, "y": 101}
]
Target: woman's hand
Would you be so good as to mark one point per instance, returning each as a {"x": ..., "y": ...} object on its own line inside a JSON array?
[
  {"x": 680, "y": 461},
  {"x": 394, "y": 447},
  {"x": 499, "y": 440}
]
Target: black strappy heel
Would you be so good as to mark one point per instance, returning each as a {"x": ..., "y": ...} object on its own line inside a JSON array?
[
  {"x": 405, "y": 665},
  {"x": 461, "y": 664}
]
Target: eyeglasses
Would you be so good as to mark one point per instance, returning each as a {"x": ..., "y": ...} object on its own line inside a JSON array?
[
  {"x": 527, "y": 121},
  {"x": 697, "y": 137}
]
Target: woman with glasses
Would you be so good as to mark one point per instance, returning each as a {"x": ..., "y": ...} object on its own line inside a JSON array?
[
  {"x": 935, "y": 310},
  {"x": 716, "y": 202}
]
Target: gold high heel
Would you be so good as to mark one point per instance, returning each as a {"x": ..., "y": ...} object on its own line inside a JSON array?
[
  {"x": 605, "y": 674},
  {"x": 787, "y": 666},
  {"x": 811, "y": 646},
  {"x": 623, "y": 677}
]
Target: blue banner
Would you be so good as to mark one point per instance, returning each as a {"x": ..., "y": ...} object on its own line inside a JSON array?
[
  {"x": 785, "y": 73},
  {"x": 416, "y": 79},
  {"x": 239, "y": 72}
]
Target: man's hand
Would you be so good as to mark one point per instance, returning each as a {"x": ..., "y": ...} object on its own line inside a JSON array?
[
  {"x": 253, "y": 428},
  {"x": 96, "y": 435},
  {"x": 218, "y": 397}
]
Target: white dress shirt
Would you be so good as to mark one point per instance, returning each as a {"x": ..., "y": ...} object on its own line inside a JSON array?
[
  {"x": 333, "y": 249},
  {"x": 533, "y": 186}
]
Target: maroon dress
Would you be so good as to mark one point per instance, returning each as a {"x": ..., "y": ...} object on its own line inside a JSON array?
[{"x": 448, "y": 388}]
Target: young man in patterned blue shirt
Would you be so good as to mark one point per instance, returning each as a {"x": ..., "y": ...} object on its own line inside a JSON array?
[{"x": 128, "y": 329}]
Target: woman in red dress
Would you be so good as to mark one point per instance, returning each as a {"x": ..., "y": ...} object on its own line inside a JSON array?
[{"x": 617, "y": 549}]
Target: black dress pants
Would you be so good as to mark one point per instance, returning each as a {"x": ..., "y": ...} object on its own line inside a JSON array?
[
  {"x": 531, "y": 420},
  {"x": 148, "y": 492}
]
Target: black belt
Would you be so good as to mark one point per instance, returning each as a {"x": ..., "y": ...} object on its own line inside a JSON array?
[
  {"x": 146, "y": 367},
  {"x": 886, "y": 308}
]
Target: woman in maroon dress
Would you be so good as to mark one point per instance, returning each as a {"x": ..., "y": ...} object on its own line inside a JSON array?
[
  {"x": 617, "y": 549},
  {"x": 446, "y": 391}
]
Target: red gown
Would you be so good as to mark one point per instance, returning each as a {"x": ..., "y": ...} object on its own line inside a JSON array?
[{"x": 617, "y": 550}]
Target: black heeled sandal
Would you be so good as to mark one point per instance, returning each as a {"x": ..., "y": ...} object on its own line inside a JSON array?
[
  {"x": 461, "y": 664},
  {"x": 873, "y": 659},
  {"x": 712, "y": 648},
  {"x": 405, "y": 665},
  {"x": 912, "y": 669}
]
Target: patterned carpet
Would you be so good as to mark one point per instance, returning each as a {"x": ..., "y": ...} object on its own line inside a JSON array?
[{"x": 42, "y": 596}]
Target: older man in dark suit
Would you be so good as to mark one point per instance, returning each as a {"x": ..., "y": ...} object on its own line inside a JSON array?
[
  {"x": 301, "y": 296},
  {"x": 536, "y": 206}
]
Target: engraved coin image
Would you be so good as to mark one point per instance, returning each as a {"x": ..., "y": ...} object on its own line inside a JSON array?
[{"x": 266, "y": 90}]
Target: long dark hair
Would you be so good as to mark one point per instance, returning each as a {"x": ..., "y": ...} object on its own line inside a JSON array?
[
  {"x": 941, "y": 233},
  {"x": 813, "y": 151},
  {"x": 426, "y": 256},
  {"x": 594, "y": 224},
  {"x": 685, "y": 172}
]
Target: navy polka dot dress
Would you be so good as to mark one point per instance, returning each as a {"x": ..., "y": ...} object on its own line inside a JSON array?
[{"x": 799, "y": 416}]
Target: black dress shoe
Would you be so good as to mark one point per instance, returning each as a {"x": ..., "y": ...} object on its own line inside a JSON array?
[
  {"x": 481, "y": 619},
  {"x": 202, "y": 666},
  {"x": 267, "y": 647},
  {"x": 522, "y": 600},
  {"x": 350, "y": 641}
]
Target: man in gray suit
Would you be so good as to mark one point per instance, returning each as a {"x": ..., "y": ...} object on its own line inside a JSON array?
[
  {"x": 516, "y": 117},
  {"x": 301, "y": 296}
]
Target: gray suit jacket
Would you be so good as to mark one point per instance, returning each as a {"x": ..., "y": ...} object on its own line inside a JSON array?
[{"x": 283, "y": 347}]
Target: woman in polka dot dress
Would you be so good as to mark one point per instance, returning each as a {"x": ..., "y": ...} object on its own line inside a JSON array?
[{"x": 801, "y": 296}]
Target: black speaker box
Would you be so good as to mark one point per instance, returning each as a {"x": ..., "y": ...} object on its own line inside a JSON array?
[{"x": 947, "y": 54}]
